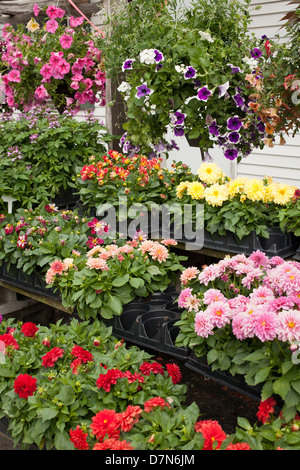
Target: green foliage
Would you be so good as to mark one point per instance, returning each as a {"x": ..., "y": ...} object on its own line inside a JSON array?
[{"x": 40, "y": 151}]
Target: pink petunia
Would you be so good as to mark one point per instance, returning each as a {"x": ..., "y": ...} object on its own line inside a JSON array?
[
  {"x": 51, "y": 26},
  {"x": 46, "y": 71},
  {"x": 76, "y": 21},
  {"x": 63, "y": 67},
  {"x": 55, "y": 12},
  {"x": 41, "y": 93},
  {"x": 66, "y": 41},
  {"x": 13, "y": 76},
  {"x": 36, "y": 10}
]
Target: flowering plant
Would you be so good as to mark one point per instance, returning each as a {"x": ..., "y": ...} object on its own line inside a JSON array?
[
  {"x": 57, "y": 60},
  {"x": 57, "y": 377},
  {"x": 140, "y": 180},
  {"x": 243, "y": 314},
  {"x": 191, "y": 78},
  {"x": 289, "y": 215},
  {"x": 102, "y": 280},
  {"x": 274, "y": 82},
  {"x": 30, "y": 239},
  {"x": 39, "y": 151},
  {"x": 240, "y": 205}
]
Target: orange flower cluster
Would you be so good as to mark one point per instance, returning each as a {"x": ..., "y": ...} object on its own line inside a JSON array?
[{"x": 115, "y": 166}]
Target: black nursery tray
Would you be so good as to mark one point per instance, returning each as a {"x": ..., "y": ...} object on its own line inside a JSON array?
[
  {"x": 237, "y": 383},
  {"x": 279, "y": 243},
  {"x": 32, "y": 283},
  {"x": 150, "y": 323}
]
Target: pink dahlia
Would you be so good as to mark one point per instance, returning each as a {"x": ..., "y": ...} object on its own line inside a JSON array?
[
  {"x": 266, "y": 326},
  {"x": 203, "y": 324},
  {"x": 213, "y": 295},
  {"x": 289, "y": 329},
  {"x": 220, "y": 313}
]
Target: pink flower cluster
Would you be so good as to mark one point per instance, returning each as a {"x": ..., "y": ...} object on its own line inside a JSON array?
[
  {"x": 84, "y": 75},
  {"x": 259, "y": 297}
]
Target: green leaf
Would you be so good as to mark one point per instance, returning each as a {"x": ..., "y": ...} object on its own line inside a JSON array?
[
  {"x": 120, "y": 281},
  {"x": 47, "y": 414},
  {"x": 281, "y": 386},
  {"x": 115, "y": 304}
]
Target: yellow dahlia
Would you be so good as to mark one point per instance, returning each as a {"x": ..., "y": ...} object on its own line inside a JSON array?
[
  {"x": 195, "y": 190},
  {"x": 282, "y": 193},
  {"x": 216, "y": 194},
  {"x": 180, "y": 189},
  {"x": 254, "y": 189},
  {"x": 210, "y": 173},
  {"x": 236, "y": 186}
]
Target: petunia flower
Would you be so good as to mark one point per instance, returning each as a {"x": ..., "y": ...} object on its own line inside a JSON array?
[
  {"x": 143, "y": 91},
  {"x": 203, "y": 94}
]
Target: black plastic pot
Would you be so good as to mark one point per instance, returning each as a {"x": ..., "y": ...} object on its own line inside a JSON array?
[
  {"x": 278, "y": 243},
  {"x": 237, "y": 383}
]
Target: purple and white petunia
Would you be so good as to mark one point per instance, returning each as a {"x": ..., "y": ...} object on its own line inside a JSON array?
[
  {"x": 127, "y": 64},
  {"x": 214, "y": 128},
  {"x": 203, "y": 94},
  {"x": 231, "y": 153},
  {"x": 234, "y": 68},
  {"x": 234, "y": 123},
  {"x": 223, "y": 89},
  {"x": 190, "y": 72},
  {"x": 239, "y": 101},
  {"x": 143, "y": 91},
  {"x": 234, "y": 137}
]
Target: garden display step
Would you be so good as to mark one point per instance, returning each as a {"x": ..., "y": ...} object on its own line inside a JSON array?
[
  {"x": 151, "y": 323},
  {"x": 237, "y": 383}
]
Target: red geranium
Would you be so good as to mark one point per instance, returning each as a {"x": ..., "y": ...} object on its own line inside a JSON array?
[
  {"x": 238, "y": 446},
  {"x": 9, "y": 341},
  {"x": 146, "y": 368},
  {"x": 153, "y": 403},
  {"x": 174, "y": 372},
  {"x": 266, "y": 407},
  {"x": 212, "y": 432},
  {"x": 82, "y": 354},
  {"x": 105, "y": 381},
  {"x": 52, "y": 356},
  {"x": 25, "y": 385},
  {"x": 105, "y": 422},
  {"x": 129, "y": 417},
  {"x": 78, "y": 438},
  {"x": 29, "y": 329}
]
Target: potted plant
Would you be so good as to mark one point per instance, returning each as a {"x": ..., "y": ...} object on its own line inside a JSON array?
[
  {"x": 39, "y": 152},
  {"x": 188, "y": 76},
  {"x": 241, "y": 315},
  {"x": 53, "y": 57}
]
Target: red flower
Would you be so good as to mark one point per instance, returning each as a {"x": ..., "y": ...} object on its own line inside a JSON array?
[
  {"x": 82, "y": 354},
  {"x": 133, "y": 377},
  {"x": 146, "y": 368},
  {"x": 113, "y": 444},
  {"x": 9, "y": 228},
  {"x": 52, "y": 356},
  {"x": 174, "y": 372},
  {"x": 238, "y": 446},
  {"x": 75, "y": 365},
  {"x": 265, "y": 408},
  {"x": 105, "y": 381},
  {"x": 22, "y": 241},
  {"x": 212, "y": 432},
  {"x": 25, "y": 385},
  {"x": 268, "y": 47},
  {"x": 105, "y": 422},
  {"x": 29, "y": 329},
  {"x": 153, "y": 403},
  {"x": 9, "y": 341},
  {"x": 129, "y": 417},
  {"x": 78, "y": 438}
]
